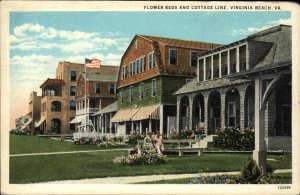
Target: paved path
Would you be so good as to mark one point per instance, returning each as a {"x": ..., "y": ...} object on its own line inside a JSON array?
[
  {"x": 69, "y": 152},
  {"x": 144, "y": 178}
]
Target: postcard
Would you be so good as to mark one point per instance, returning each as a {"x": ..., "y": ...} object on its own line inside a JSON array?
[{"x": 149, "y": 97}]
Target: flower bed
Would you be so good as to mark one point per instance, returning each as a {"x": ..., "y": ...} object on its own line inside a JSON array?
[{"x": 150, "y": 157}]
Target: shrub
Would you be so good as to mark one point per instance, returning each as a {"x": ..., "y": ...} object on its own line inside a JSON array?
[
  {"x": 134, "y": 137},
  {"x": 217, "y": 179},
  {"x": 149, "y": 157},
  {"x": 286, "y": 155},
  {"x": 233, "y": 139},
  {"x": 17, "y": 132},
  {"x": 177, "y": 135}
]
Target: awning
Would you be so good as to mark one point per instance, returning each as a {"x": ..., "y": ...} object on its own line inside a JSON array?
[
  {"x": 77, "y": 119},
  {"x": 28, "y": 122},
  {"x": 40, "y": 122},
  {"x": 148, "y": 112},
  {"x": 124, "y": 115}
]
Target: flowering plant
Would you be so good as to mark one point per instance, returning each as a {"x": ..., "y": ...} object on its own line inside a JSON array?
[{"x": 149, "y": 157}]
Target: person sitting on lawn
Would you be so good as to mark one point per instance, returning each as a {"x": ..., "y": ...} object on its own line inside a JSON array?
[
  {"x": 148, "y": 141},
  {"x": 158, "y": 142}
]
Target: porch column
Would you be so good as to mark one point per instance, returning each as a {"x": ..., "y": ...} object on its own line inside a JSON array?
[
  {"x": 110, "y": 124},
  {"x": 228, "y": 62},
  {"x": 178, "y": 113},
  {"x": 242, "y": 109},
  {"x": 102, "y": 123},
  {"x": 191, "y": 105},
  {"x": 161, "y": 119},
  {"x": 205, "y": 95},
  {"x": 223, "y": 110},
  {"x": 150, "y": 124},
  {"x": 132, "y": 127},
  {"x": 105, "y": 123},
  {"x": 259, "y": 154},
  {"x": 141, "y": 126}
]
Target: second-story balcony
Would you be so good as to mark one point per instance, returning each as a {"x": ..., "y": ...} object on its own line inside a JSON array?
[
  {"x": 52, "y": 87},
  {"x": 87, "y": 111}
]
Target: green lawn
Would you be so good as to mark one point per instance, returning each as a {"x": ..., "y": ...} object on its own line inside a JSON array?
[
  {"x": 38, "y": 168},
  {"x": 26, "y": 169},
  {"x": 20, "y": 144},
  {"x": 281, "y": 178}
]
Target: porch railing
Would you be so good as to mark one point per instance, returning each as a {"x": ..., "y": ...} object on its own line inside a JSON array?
[{"x": 88, "y": 111}]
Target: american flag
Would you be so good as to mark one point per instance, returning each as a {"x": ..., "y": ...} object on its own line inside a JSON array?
[{"x": 93, "y": 63}]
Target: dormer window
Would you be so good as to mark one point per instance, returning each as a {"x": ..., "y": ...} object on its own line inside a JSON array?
[
  {"x": 242, "y": 57},
  {"x": 151, "y": 62},
  {"x": 233, "y": 60},
  {"x": 193, "y": 58},
  {"x": 123, "y": 71},
  {"x": 172, "y": 57}
]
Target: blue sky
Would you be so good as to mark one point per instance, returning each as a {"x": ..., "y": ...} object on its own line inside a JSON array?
[{"x": 39, "y": 40}]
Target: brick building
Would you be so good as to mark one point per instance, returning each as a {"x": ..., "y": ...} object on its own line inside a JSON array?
[
  {"x": 151, "y": 70},
  {"x": 58, "y": 104},
  {"x": 229, "y": 81},
  {"x": 101, "y": 91}
]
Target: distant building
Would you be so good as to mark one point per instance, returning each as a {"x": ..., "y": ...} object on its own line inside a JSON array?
[
  {"x": 151, "y": 70},
  {"x": 236, "y": 79},
  {"x": 34, "y": 111},
  {"x": 58, "y": 105},
  {"x": 94, "y": 92}
]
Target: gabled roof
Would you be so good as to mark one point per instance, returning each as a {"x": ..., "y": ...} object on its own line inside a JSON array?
[
  {"x": 110, "y": 108},
  {"x": 181, "y": 42},
  {"x": 193, "y": 85},
  {"x": 52, "y": 82},
  {"x": 106, "y": 73}
]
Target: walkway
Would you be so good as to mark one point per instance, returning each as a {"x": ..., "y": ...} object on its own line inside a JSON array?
[
  {"x": 68, "y": 152},
  {"x": 144, "y": 178}
]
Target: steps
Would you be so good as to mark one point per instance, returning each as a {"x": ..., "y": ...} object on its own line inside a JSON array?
[{"x": 206, "y": 142}]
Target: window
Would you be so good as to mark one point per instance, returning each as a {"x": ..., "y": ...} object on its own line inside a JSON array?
[
  {"x": 97, "y": 87},
  {"x": 56, "y": 106},
  {"x": 224, "y": 61},
  {"x": 142, "y": 64},
  {"x": 216, "y": 66},
  {"x": 72, "y": 75},
  {"x": 242, "y": 54},
  {"x": 121, "y": 96},
  {"x": 134, "y": 67},
  {"x": 201, "y": 69},
  {"x": 112, "y": 88},
  {"x": 151, "y": 63},
  {"x": 193, "y": 58},
  {"x": 141, "y": 89},
  {"x": 172, "y": 57},
  {"x": 153, "y": 88},
  {"x": 130, "y": 94},
  {"x": 233, "y": 61},
  {"x": 72, "y": 105},
  {"x": 123, "y": 71},
  {"x": 71, "y": 125},
  {"x": 208, "y": 67},
  {"x": 231, "y": 114},
  {"x": 137, "y": 66},
  {"x": 72, "y": 90}
]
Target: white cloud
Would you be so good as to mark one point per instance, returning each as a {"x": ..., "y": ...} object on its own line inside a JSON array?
[
  {"x": 34, "y": 36},
  {"x": 252, "y": 30}
]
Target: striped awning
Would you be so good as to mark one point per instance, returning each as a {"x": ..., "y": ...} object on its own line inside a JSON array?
[
  {"x": 147, "y": 112},
  {"x": 40, "y": 122},
  {"x": 124, "y": 115}
]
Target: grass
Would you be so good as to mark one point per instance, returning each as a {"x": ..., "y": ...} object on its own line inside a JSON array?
[
  {"x": 27, "y": 169},
  {"x": 20, "y": 144},
  {"x": 39, "y": 168},
  {"x": 281, "y": 178}
]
